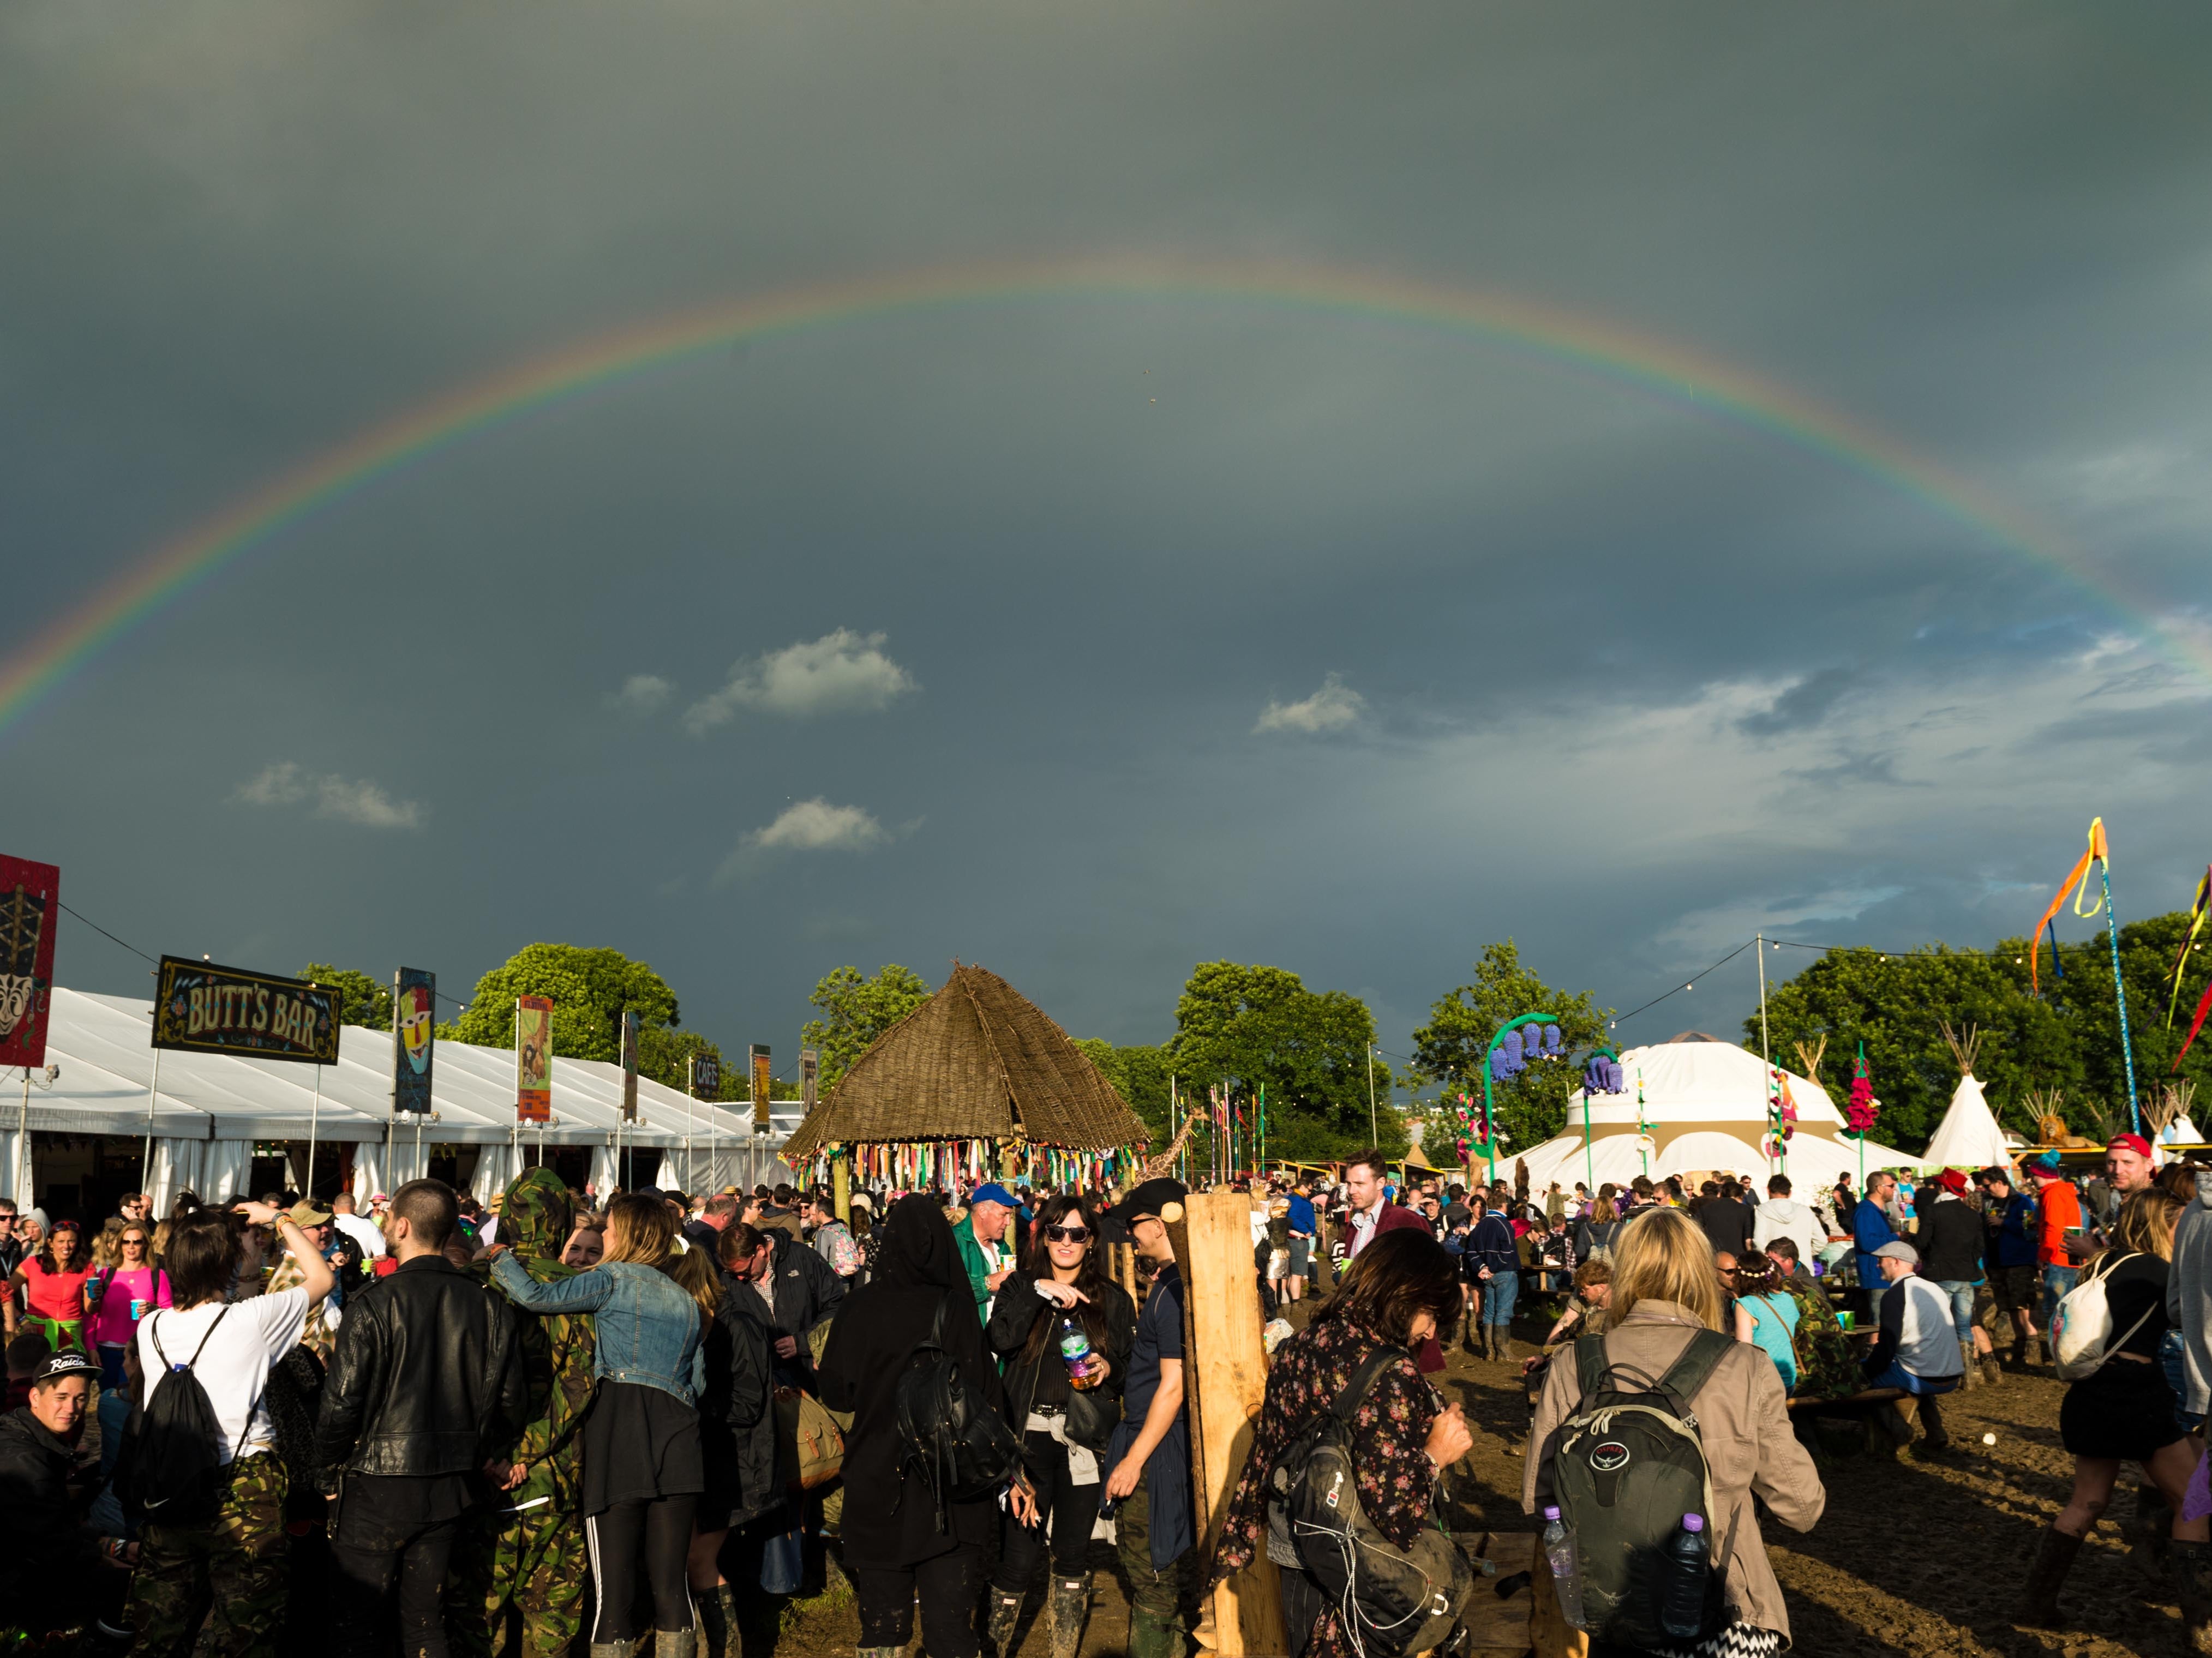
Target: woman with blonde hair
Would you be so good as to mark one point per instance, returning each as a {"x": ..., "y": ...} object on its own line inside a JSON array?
[
  {"x": 642, "y": 1467},
  {"x": 1664, "y": 1292}
]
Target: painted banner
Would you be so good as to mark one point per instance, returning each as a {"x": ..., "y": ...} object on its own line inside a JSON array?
[
  {"x": 30, "y": 905},
  {"x": 810, "y": 1076},
  {"x": 533, "y": 1058},
  {"x": 761, "y": 1076},
  {"x": 205, "y": 1009},
  {"x": 414, "y": 1036},
  {"x": 631, "y": 1024},
  {"x": 706, "y": 1076}
]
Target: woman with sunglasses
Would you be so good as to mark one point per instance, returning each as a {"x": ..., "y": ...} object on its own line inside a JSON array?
[
  {"x": 122, "y": 1294},
  {"x": 1060, "y": 1289},
  {"x": 52, "y": 1282}
]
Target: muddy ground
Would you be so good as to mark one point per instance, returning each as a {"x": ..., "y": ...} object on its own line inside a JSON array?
[{"x": 1915, "y": 1554}]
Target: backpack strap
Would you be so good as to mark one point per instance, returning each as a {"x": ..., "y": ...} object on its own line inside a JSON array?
[
  {"x": 197, "y": 1350},
  {"x": 1590, "y": 1364},
  {"x": 1690, "y": 1371}
]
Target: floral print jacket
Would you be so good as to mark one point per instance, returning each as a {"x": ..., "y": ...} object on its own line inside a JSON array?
[{"x": 1390, "y": 1430}]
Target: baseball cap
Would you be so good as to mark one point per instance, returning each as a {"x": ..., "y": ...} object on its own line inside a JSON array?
[
  {"x": 992, "y": 1191},
  {"x": 68, "y": 1362},
  {"x": 1904, "y": 1252},
  {"x": 1149, "y": 1198},
  {"x": 2134, "y": 1143},
  {"x": 304, "y": 1213}
]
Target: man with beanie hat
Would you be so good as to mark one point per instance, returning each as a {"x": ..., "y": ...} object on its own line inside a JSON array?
[
  {"x": 2058, "y": 1211},
  {"x": 523, "y": 1551}
]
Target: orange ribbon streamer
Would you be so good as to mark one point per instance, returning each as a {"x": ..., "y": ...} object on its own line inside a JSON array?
[{"x": 2078, "y": 879}]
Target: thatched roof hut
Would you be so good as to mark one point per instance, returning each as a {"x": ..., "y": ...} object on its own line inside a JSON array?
[{"x": 977, "y": 1060}]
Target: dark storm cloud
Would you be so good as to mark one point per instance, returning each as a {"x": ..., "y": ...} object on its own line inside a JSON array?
[{"x": 1095, "y": 637}]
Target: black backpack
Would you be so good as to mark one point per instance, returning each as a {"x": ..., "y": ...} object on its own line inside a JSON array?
[
  {"x": 1393, "y": 1601},
  {"x": 964, "y": 1449},
  {"x": 1630, "y": 1465},
  {"x": 176, "y": 1444}
]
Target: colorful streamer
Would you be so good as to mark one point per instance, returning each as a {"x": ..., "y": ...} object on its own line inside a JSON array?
[
  {"x": 2078, "y": 879},
  {"x": 2199, "y": 908}
]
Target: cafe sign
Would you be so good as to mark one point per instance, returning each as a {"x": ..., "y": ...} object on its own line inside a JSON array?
[{"x": 205, "y": 1009}]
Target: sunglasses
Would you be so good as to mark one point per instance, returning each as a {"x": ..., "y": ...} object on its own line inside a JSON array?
[
  {"x": 140, "y": 1243},
  {"x": 1067, "y": 1234}
]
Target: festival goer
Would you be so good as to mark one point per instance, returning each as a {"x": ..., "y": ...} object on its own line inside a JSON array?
[
  {"x": 1767, "y": 1316},
  {"x": 1596, "y": 1233},
  {"x": 1827, "y": 1364},
  {"x": 2124, "y": 1412},
  {"x": 895, "y": 1549},
  {"x": 1304, "y": 1227},
  {"x": 126, "y": 1292},
  {"x": 52, "y": 1578},
  {"x": 2189, "y": 1299},
  {"x": 716, "y": 1216},
  {"x": 1949, "y": 1240},
  {"x": 520, "y": 1557},
  {"x": 2058, "y": 1211},
  {"x": 1870, "y": 1230},
  {"x": 1490, "y": 1261},
  {"x": 1915, "y": 1347},
  {"x": 985, "y": 1250},
  {"x": 737, "y": 1431},
  {"x": 833, "y": 1239},
  {"x": 362, "y": 1231},
  {"x": 642, "y": 1468},
  {"x": 1789, "y": 1267},
  {"x": 1147, "y": 1465},
  {"x": 1721, "y": 1216},
  {"x": 1663, "y": 1292},
  {"x": 1064, "y": 1430},
  {"x": 2129, "y": 1169},
  {"x": 52, "y": 1281},
  {"x": 797, "y": 1291},
  {"x": 227, "y": 1563},
  {"x": 586, "y": 1245},
  {"x": 1396, "y": 1295},
  {"x": 2009, "y": 1247},
  {"x": 11, "y": 1244},
  {"x": 1783, "y": 1216}
]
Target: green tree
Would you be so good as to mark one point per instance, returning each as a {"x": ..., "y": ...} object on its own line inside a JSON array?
[
  {"x": 1140, "y": 1075},
  {"x": 1249, "y": 1027},
  {"x": 1453, "y": 1048},
  {"x": 589, "y": 990},
  {"x": 856, "y": 1010},
  {"x": 365, "y": 1003}
]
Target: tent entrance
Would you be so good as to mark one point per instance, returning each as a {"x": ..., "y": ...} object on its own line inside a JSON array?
[{"x": 83, "y": 1177}]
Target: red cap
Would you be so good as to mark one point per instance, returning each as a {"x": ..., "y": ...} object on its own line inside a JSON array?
[
  {"x": 1954, "y": 1182},
  {"x": 2134, "y": 1143}
]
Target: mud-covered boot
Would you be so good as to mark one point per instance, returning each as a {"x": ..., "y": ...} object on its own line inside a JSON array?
[
  {"x": 674, "y": 1644},
  {"x": 1966, "y": 1359},
  {"x": 1005, "y": 1612},
  {"x": 718, "y": 1617},
  {"x": 1071, "y": 1604},
  {"x": 2190, "y": 1566},
  {"x": 2038, "y": 1600},
  {"x": 1992, "y": 1372}
]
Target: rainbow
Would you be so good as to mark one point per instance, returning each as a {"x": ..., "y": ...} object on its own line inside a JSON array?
[{"x": 1660, "y": 367}]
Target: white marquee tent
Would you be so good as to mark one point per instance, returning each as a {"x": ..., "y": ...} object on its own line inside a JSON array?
[
  {"x": 201, "y": 1115},
  {"x": 1968, "y": 1137},
  {"x": 1704, "y": 1101}
]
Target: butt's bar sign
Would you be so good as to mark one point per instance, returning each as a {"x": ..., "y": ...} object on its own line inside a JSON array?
[{"x": 205, "y": 1009}]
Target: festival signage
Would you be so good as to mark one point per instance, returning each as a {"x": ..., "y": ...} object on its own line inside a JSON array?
[
  {"x": 762, "y": 1076},
  {"x": 204, "y": 1009},
  {"x": 414, "y": 1037},
  {"x": 706, "y": 1076},
  {"x": 630, "y": 1024},
  {"x": 809, "y": 1077},
  {"x": 533, "y": 1058},
  {"x": 30, "y": 904}
]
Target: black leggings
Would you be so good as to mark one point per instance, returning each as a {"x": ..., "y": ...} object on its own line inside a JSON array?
[
  {"x": 661, "y": 1527},
  {"x": 949, "y": 1586},
  {"x": 1070, "y": 1511}
]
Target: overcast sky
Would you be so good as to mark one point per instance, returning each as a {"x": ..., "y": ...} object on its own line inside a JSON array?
[{"x": 1090, "y": 637}]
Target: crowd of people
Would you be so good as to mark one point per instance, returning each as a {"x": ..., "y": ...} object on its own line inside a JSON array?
[{"x": 562, "y": 1422}]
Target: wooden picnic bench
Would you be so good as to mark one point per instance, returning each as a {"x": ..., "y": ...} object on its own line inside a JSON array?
[{"x": 1864, "y": 1407}]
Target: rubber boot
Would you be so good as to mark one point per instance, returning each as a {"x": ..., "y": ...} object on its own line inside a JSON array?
[
  {"x": 718, "y": 1616},
  {"x": 1973, "y": 1370},
  {"x": 1502, "y": 1342},
  {"x": 1005, "y": 1612},
  {"x": 674, "y": 1644},
  {"x": 1071, "y": 1604},
  {"x": 2039, "y": 1600},
  {"x": 612, "y": 1649},
  {"x": 1931, "y": 1424},
  {"x": 1992, "y": 1372},
  {"x": 2148, "y": 1532},
  {"x": 1151, "y": 1638},
  {"x": 2189, "y": 1567}
]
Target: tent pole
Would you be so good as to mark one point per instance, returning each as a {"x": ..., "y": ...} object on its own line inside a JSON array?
[
  {"x": 314, "y": 1128},
  {"x": 2119, "y": 991},
  {"x": 20, "y": 1182},
  {"x": 145, "y": 1169}
]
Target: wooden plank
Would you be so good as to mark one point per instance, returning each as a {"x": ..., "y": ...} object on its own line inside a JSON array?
[
  {"x": 1225, "y": 1377},
  {"x": 1550, "y": 1634}
]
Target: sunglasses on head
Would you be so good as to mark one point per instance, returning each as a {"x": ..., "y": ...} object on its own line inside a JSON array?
[{"x": 1067, "y": 1234}]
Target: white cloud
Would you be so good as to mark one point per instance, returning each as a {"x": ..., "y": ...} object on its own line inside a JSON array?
[
  {"x": 641, "y": 693},
  {"x": 841, "y": 672},
  {"x": 816, "y": 826},
  {"x": 349, "y": 800},
  {"x": 1331, "y": 708}
]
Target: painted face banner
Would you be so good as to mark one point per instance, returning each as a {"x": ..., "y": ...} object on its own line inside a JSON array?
[
  {"x": 413, "y": 1032},
  {"x": 533, "y": 1058},
  {"x": 706, "y": 1076},
  {"x": 30, "y": 904},
  {"x": 630, "y": 1024},
  {"x": 761, "y": 1077},
  {"x": 205, "y": 1009}
]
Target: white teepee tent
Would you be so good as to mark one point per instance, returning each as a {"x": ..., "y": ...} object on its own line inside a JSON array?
[{"x": 1969, "y": 1137}]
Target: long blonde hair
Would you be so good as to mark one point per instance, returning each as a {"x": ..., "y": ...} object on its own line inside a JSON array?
[
  {"x": 2146, "y": 1222},
  {"x": 1663, "y": 1255},
  {"x": 639, "y": 1228}
]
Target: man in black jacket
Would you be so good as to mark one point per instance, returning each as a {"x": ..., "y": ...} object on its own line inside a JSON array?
[
  {"x": 50, "y": 1570},
  {"x": 1950, "y": 1244},
  {"x": 420, "y": 1395},
  {"x": 794, "y": 1287}
]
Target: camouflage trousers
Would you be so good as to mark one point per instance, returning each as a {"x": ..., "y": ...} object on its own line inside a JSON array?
[
  {"x": 529, "y": 1562},
  {"x": 229, "y": 1569},
  {"x": 1166, "y": 1597}
]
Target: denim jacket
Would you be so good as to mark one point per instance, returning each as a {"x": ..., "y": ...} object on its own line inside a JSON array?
[{"x": 647, "y": 1325}]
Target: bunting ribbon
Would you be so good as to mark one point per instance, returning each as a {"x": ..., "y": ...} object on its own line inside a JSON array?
[
  {"x": 2078, "y": 879},
  {"x": 2199, "y": 908}
]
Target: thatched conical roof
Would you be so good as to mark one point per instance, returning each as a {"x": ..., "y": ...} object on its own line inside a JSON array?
[{"x": 977, "y": 1059}]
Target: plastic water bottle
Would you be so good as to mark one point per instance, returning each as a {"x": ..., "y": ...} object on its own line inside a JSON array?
[
  {"x": 1560, "y": 1554},
  {"x": 1682, "y": 1610},
  {"x": 1075, "y": 1348}
]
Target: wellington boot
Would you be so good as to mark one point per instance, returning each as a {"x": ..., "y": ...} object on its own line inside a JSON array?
[
  {"x": 2189, "y": 1567},
  {"x": 1150, "y": 1637},
  {"x": 1071, "y": 1604},
  {"x": 1992, "y": 1372},
  {"x": 674, "y": 1644},
  {"x": 1005, "y": 1612},
  {"x": 612, "y": 1649},
  {"x": 718, "y": 1617},
  {"x": 1973, "y": 1370},
  {"x": 1490, "y": 1341},
  {"x": 857, "y": 1652},
  {"x": 1934, "y": 1438},
  {"x": 2038, "y": 1600},
  {"x": 1501, "y": 1342}
]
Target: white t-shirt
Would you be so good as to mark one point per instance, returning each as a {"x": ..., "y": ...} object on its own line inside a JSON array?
[
  {"x": 365, "y": 1233},
  {"x": 235, "y": 1368}
]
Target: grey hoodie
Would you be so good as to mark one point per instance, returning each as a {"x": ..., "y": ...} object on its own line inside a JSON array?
[
  {"x": 1786, "y": 1217},
  {"x": 2189, "y": 1297}
]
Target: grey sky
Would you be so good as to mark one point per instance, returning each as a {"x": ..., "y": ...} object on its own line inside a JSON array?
[{"x": 1089, "y": 638}]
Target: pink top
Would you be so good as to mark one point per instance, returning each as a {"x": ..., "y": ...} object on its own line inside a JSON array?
[{"x": 112, "y": 1325}]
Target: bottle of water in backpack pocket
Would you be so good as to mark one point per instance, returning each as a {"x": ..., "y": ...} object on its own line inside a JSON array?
[
  {"x": 1565, "y": 1563},
  {"x": 1682, "y": 1609}
]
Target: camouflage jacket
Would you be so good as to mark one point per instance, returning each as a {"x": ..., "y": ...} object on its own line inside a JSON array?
[{"x": 554, "y": 1349}]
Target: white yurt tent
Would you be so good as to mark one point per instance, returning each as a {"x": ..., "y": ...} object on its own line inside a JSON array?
[
  {"x": 1704, "y": 1101},
  {"x": 1969, "y": 1137},
  {"x": 194, "y": 1123}
]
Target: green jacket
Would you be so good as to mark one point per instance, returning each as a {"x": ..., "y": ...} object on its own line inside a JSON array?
[
  {"x": 978, "y": 1265},
  {"x": 554, "y": 1349}
]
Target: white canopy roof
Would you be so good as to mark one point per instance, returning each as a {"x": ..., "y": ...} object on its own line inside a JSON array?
[{"x": 1969, "y": 1137}]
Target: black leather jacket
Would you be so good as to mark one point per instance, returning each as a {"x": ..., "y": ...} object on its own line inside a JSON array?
[{"x": 421, "y": 1381}]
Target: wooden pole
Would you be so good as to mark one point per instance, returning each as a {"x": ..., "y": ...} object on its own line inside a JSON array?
[{"x": 1225, "y": 1384}]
